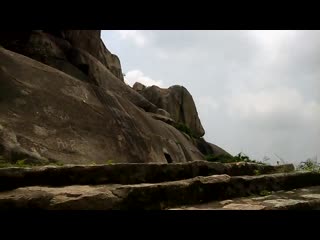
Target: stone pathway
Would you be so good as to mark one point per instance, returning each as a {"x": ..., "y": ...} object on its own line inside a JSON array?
[
  {"x": 191, "y": 186},
  {"x": 302, "y": 198}
]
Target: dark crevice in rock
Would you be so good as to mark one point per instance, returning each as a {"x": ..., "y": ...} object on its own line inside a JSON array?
[
  {"x": 168, "y": 157},
  {"x": 84, "y": 68}
]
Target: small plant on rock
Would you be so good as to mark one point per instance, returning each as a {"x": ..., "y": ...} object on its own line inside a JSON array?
[
  {"x": 309, "y": 165},
  {"x": 265, "y": 193},
  {"x": 183, "y": 128},
  {"x": 256, "y": 172},
  {"x": 109, "y": 162}
]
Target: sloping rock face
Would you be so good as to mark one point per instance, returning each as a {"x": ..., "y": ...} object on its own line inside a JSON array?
[
  {"x": 63, "y": 99},
  {"x": 209, "y": 148},
  {"x": 52, "y": 47},
  {"x": 178, "y": 102}
]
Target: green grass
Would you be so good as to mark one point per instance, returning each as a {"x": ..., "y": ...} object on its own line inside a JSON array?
[
  {"x": 231, "y": 159},
  {"x": 256, "y": 172},
  {"x": 23, "y": 163},
  {"x": 265, "y": 193},
  {"x": 183, "y": 128},
  {"x": 5, "y": 165},
  {"x": 58, "y": 164},
  {"x": 310, "y": 164},
  {"x": 109, "y": 162},
  {"x": 220, "y": 158}
]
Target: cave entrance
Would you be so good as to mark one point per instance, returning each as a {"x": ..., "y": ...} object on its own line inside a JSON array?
[{"x": 168, "y": 157}]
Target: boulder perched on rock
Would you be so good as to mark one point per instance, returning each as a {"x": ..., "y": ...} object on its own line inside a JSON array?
[
  {"x": 178, "y": 102},
  {"x": 207, "y": 148},
  {"x": 138, "y": 86}
]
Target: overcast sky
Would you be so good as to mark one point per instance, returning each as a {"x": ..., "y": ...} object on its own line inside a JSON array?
[{"x": 256, "y": 92}]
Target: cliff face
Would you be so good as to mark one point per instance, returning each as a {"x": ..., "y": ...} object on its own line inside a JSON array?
[{"x": 62, "y": 98}]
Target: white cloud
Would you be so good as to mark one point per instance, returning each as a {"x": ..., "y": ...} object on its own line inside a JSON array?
[
  {"x": 138, "y": 76},
  {"x": 137, "y": 37},
  {"x": 272, "y": 38},
  {"x": 207, "y": 103},
  {"x": 281, "y": 106},
  {"x": 272, "y": 41}
]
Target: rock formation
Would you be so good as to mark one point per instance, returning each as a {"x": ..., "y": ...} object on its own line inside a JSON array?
[
  {"x": 178, "y": 102},
  {"x": 138, "y": 87},
  {"x": 63, "y": 99},
  {"x": 190, "y": 186}
]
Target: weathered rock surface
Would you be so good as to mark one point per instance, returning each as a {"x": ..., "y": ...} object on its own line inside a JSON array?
[
  {"x": 52, "y": 47},
  {"x": 74, "y": 108},
  {"x": 178, "y": 102},
  {"x": 47, "y": 113},
  {"x": 126, "y": 173},
  {"x": 159, "y": 195},
  {"x": 162, "y": 118},
  {"x": 207, "y": 148},
  {"x": 138, "y": 86},
  {"x": 297, "y": 199},
  {"x": 80, "y": 60}
]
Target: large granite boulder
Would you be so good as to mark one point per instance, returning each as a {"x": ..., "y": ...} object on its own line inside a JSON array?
[
  {"x": 62, "y": 50},
  {"x": 62, "y": 98},
  {"x": 178, "y": 102},
  {"x": 138, "y": 86},
  {"x": 52, "y": 47},
  {"x": 47, "y": 114},
  {"x": 207, "y": 148}
]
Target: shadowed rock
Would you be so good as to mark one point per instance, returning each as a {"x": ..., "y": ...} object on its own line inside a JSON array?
[
  {"x": 52, "y": 47},
  {"x": 153, "y": 196},
  {"x": 126, "y": 173}
]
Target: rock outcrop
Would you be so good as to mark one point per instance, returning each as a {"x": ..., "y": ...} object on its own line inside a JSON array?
[
  {"x": 178, "y": 102},
  {"x": 54, "y": 47},
  {"x": 138, "y": 86},
  {"x": 63, "y": 99}
]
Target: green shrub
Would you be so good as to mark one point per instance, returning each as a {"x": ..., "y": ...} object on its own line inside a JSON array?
[
  {"x": 220, "y": 158},
  {"x": 265, "y": 193},
  {"x": 309, "y": 165},
  {"x": 183, "y": 128},
  {"x": 230, "y": 159},
  {"x": 256, "y": 172},
  {"x": 109, "y": 162},
  {"x": 21, "y": 163}
]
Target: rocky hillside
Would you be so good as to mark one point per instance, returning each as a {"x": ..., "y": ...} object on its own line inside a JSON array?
[
  {"x": 63, "y": 102},
  {"x": 63, "y": 99}
]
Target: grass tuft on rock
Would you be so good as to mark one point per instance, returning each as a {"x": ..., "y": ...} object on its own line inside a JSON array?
[{"x": 241, "y": 157}]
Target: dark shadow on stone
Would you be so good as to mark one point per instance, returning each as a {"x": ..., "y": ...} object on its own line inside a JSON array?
[
  {"x": 57, "y": 33},
  {"x": 168, "y": 157},
  {"x": 84, "y": 68}
]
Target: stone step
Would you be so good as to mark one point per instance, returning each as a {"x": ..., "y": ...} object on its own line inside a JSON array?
[
  {"x": 126, "y": 173},
  {"x": 153, "y": 196},
  {"x": 295, "y": 199}
]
